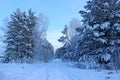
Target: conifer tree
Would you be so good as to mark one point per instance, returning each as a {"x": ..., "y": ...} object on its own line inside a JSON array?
[
  {"x": 103, "y": 16},
  {"x": 19, "y": 37}
]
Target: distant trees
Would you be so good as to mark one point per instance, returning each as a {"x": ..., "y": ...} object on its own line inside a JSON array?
[
  {"x": 20, "y": 37},
  {"x": 66, "y": 42},
  {"x": 69, "y": 39},
  {"x": 46, "y": 51},
  {"x": 42, "y": 48}
]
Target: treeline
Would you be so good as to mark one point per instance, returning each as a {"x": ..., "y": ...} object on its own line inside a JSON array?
[
  {"x": 97, "y": 41},
  {"x": 26, "y": 38}
]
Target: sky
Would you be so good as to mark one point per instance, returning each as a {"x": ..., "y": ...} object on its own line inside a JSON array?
[{"x": 59, "y": 12}]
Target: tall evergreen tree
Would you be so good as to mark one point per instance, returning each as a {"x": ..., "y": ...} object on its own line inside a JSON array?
[
  {"x": 13, "y": 36},
  {"x": 65, "y": 40},
  {"x": 19, "y": 37},
  {"x": 104, "y": 19},
  {"x": 31, "y": 22}
]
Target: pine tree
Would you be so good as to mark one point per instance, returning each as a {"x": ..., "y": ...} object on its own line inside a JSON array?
[
  {"x": 104, "y": 19},
  {"x": 19, "y": 37},
  {"x": 13, "y": 37},
  {"x": 30, "y": 24},
  {"x": 66, "y": 43},
  {"x": 65, "y": 38}
]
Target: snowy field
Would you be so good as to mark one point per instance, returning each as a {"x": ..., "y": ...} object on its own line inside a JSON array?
[{"x": 55, "y": 70}]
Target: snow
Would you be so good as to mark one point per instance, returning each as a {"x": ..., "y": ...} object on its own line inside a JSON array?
[
  {"x": 117, "y": 26},
  {"x": 105, "y": 25},
  {"x": 2, "y": 77},
  {"x": 118, "y": 1},
  {"x": 96, "y": 34},
  {"x": 96, "y": 26},
  {"x": 106, "y": 57},
  {"x": 118, "y": 15},
  {"x": 102, "y": 40},
  {"x": 54, "y": 70},
  {"x": 106, "y": 4}
]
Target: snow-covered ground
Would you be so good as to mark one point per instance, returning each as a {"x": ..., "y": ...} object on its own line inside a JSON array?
[{"x": 55, "y": 70}]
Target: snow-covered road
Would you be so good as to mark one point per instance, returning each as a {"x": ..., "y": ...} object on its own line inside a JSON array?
[{"x": 55, "y": 70}]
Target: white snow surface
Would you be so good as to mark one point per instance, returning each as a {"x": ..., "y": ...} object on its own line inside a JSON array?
[
  {"x": 2, "y": 77},
  {"x": 54, "y": 70}
]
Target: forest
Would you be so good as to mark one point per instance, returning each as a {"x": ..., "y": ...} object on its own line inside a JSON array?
[{"x": 90, "y": 43}]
